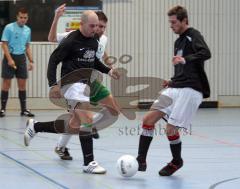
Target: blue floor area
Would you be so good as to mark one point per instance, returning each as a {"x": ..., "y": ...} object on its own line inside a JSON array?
[{"x": 211, "y": 155}]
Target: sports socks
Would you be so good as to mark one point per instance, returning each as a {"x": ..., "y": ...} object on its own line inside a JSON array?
[
  {"x": 4, "y": 98},
  {"x": 145, "y": 141},
  {"x": 87, "y": 147},
  {"x": 48, "y": 127},
  {"x": 63, "y": 140},
  {"x": 22, "y": 97},
  {"x": 176, "y": 148}
]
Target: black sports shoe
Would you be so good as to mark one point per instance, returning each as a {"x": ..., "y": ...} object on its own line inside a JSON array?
[
  {"x": 63, "y": 153},
  {"x": 170, "y": 168},
  {"x": 142, "y": 165},
  {"x": 27, "y": 113},
  {"x": 95, "y": 134},
  {"x": 2, "y": 113}
]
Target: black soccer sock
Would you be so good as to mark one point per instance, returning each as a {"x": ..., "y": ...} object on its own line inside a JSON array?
[
  {"x": 176, "y": 148},
  {"x": 176, "y": 153},
  {"x": 144, "y": 143},
  {"x": 48, "y": 127},
  {"x": 87, "y": 147},
  {"x": 4, "y": 98},
  {"x": 22, "y": 97}
]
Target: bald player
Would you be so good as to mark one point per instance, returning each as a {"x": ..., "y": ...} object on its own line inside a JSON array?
[{"x": 76, "y": 51}]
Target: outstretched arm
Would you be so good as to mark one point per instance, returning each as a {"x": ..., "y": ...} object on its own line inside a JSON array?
[{"x": 52, "y": 35}]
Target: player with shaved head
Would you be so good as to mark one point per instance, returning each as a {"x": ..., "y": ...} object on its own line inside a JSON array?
[{"x": 76, "y": 51}]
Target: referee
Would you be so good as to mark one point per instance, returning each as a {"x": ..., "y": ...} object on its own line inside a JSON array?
[{"x": 15, "y": 44}]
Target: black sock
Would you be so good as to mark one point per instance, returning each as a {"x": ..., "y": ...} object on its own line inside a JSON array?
[
  {"x": 4, "y": 98},
  {"x": 176, "y": 153},
  {"x": 22, "y": 97},
  {"x": 87, "y": 147},
  {"x": 144, "y": 143},
  {"x": 48, "y": 127}
]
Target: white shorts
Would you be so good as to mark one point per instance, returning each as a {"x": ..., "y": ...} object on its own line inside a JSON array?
[
  {"x": 184, "y": 105},
  {"x": 75, "y": 93}
]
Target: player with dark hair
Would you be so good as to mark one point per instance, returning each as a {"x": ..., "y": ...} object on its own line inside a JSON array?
[
  {"x": 186, "y": 89},
  {"x": 15, "y": 44}
]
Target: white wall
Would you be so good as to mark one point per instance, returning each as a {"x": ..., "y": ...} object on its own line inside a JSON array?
[{"x": 140, "y": 28}]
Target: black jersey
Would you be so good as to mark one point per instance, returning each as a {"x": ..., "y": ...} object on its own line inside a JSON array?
[
  {"x": 75, "y": 52},
  {"x": 192, "y": 47}
]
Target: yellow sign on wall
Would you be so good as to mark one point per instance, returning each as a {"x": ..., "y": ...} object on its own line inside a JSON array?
[{"x": 70, "y": 20}]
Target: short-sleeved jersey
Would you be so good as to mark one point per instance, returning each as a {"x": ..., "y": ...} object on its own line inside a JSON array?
[{"x": 17, "y": 37}]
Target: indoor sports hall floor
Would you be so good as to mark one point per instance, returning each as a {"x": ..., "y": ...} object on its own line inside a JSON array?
[{"x": 211, "y": 154}]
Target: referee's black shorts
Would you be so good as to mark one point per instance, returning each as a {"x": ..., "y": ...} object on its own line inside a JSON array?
[{"x": 9, "y": 72}]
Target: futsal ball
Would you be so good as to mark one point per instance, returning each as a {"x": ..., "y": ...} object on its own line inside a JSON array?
[{"x": 127, "y": 166}]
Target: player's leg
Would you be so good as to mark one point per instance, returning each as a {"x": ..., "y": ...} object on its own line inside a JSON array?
[
  {"x": 23, "y": 98},
  {"x": 158, "y": 110},
  {"x": 72, "y": 121},
  {"x": 99, "y": 93},
  {"x": 7, "y": 75},
  {"x": 77, "y": 95},
  {"x": 102, "y": 119},
  {"x": 176, "y": 148},
  {"x": 6, "y": 84},
  {"x": 107, "y": 116},
  {"x": 61, "y": 149},
  {"x": 186, "y": 103},
  {"x": 110, "y": 103},
  {"x": 22, "y": 75},
  {"x": 146, "y": 137},
  {"x": 33, "y": 127},
  {"x": 86, "y": 140}
]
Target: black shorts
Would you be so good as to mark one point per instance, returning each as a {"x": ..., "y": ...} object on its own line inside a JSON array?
[{"x": 9, "y": 72}]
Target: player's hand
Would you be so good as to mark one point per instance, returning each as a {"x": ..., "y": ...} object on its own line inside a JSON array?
[
  {"x": 178, "y": 60},
  {"x": 165, "y": 83},
  {"x": 60, "y": 10},
  {"x": 12, "y": 64},
  {"x": 55, "y": 92},
  {"x": 114, "y": 74},
  {"x": 108, "y": 63},
  {"x": 30, "y": 66}
]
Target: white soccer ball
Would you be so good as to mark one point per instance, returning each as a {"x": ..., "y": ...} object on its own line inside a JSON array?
[{"x": 127, "y": 166}]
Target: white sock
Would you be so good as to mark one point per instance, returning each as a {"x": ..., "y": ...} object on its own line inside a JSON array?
[{"x": 63, "y": 140}]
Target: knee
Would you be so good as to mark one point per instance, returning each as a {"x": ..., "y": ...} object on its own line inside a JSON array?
[
  {"x": 174, "y": 138},
  {"x": 22, "y": 87},
  {"x": 22, "y": 84},
  {"x": 148, "y": 130},
  {"x": 84, "y": 116},
  {"x": 6, "y": 86},
  {"x": 172, "y": 131},
  {"x": 113, "y": 111},
  {"x": 148, "y": 120}
]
